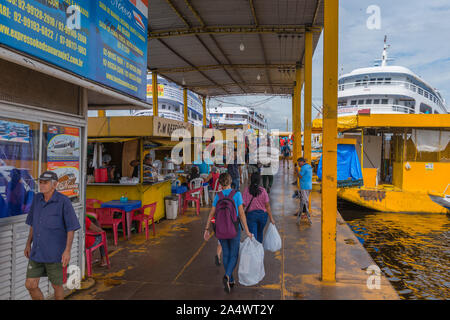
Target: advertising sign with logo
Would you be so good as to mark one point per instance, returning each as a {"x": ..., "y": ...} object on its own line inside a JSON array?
[
  {"x": 107, "y": 44},
  {"x": 63, "y": 157}
]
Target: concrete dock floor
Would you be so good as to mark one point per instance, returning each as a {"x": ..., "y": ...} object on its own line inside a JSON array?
[{"x": 177, "y": 264}]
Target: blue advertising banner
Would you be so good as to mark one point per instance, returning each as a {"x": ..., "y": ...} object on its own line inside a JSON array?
[{"x": 108, "y": 46}]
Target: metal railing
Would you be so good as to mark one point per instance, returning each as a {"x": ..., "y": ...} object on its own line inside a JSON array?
[{"x": 376, "y": 109}]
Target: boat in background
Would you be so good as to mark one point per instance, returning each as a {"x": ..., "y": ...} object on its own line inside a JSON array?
[
  {"x": 237, "y": 117},
  {"x": 442, "y": 199}
]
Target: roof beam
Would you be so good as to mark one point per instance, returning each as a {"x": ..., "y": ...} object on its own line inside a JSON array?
[
  {"x": 263, "y": 51},
  {"x": 191, "y": 65},
  {"x": 231, "y": 84},
  {"x": 175, "y": 9},
  {"x": 271, "y": 29},
  {"x": 202, "y": 22},
  {"x": 234, "y": 66},
  {"x": 252, "y": 7}
]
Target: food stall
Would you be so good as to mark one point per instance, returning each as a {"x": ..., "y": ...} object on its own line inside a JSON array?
[{"x": 126, "y": 140}]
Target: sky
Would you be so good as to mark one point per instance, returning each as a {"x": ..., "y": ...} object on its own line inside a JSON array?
[{"x": 417, "y": 31}]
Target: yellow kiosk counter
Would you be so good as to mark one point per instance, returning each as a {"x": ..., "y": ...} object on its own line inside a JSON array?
[
  {"x": 146, "y": 193},
  {"x": 125, "y": 141}
]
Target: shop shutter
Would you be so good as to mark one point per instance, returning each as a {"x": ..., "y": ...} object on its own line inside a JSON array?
[{"x": 6, "y": 245}]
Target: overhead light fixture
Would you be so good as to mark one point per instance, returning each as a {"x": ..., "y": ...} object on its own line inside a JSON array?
[
  {"x": 183, "y": 82},
  {"x": 258, "y": 77},
  {"x": 241, "y": 46}
]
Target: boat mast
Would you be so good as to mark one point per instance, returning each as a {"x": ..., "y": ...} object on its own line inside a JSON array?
[{"x": 384, "y": 59}]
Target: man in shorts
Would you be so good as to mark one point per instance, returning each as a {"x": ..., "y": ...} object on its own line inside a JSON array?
[{"x": 52, "y": 222}]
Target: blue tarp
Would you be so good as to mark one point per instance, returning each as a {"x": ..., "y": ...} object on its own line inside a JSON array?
[{"x": 348, "y": 164}]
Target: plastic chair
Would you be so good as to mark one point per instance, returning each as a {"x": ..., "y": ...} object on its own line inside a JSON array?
[
  {"x": 90, "y": 250},
  {"x": 195, "y": 184},
  {"x": 91, "y": 208},
  {"x": 139, "y": 215},
  {"x": 105, "y": 217},
  {"x": 192, "y": 195},
  {"x": 217, "y": 188}
]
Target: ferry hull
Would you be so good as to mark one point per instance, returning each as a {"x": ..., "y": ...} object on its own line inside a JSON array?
[{"x": 385, "y": 200}]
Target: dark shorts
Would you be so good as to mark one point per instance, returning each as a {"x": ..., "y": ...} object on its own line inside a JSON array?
[{"x": 54, "y": 271}]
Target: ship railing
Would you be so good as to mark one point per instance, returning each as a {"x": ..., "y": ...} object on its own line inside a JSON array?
[
  {"x": 407, "y": 85},
  {"x": 378, "y": 109}
]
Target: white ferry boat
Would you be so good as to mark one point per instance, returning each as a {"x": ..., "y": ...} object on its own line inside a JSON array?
[
  {"x": 171, "y": 104},
  {"x": 232, "y": 117},
  {"x": 387, "y": 89}
]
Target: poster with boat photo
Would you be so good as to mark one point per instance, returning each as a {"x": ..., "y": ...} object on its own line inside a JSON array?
[
  {"x": 68, "y": 177},
  {"x": 14, "y": 132},
  {"x": 63, "y": 143}
]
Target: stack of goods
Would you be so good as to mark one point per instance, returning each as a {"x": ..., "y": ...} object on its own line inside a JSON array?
[{"x": 150, "y": 175}]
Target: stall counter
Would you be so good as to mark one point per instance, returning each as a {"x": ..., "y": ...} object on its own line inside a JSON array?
[{"x": 146, "y": 193}]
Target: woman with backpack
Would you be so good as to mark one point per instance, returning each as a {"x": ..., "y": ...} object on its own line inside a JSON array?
[
  {"x": 257, "y": 207},
  {"x": 227, "y": 210}
]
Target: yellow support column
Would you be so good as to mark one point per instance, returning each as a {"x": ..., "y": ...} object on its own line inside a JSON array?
[
  {"x": 308, "y": 95},
  {"x": 329, "y": 171},
  {"x": 294, "y": 145},
  {"x": 101, "y": 113},
  {"x": 185, "y": 99},
  {"x": 155, "y": 93},
  {"x": 204, "y": 112},
  {"x": 298, "y": 114}
]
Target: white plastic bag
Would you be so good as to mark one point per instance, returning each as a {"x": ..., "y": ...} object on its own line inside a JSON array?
[
  {"x": 272, "y": 239},
  {"x": 251, "y": 263}
]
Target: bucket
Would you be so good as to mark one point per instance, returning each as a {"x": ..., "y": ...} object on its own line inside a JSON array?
[
  {"x": 101, "y": 175},
  {"x": 171, "y": 207}
]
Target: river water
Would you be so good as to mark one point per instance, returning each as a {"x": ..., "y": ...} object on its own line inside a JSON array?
[{"x": 412, "y": 250}]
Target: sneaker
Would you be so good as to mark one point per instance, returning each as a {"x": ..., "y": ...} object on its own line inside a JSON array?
[
  {"x": 226, "y": 284},
  {"x": 217, "y": 260},
  {"x": 232, "y": 284}
]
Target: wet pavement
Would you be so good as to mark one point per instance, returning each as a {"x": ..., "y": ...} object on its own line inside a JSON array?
[{"x": 177, "y": 264}]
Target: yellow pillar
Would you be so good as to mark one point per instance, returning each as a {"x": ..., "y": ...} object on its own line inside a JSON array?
[
  {"x": 298, "y": 114},
  {"x": 101, "y": 113},
  {"x": 308, "y": 95},
  {"x": 294, "y": 145},
  {"x": 329, "y": 172},
  {"x": 204, "y": 112},
  {"x": 185, "y": 99},
  {"x": 155, "y": 93}
]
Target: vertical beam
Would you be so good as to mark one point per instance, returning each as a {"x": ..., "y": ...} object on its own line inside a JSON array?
[
  {"x": 308, "y": 95},
  {"x": 185, "y": 103},
  {"x": 329, "y": 176},
  {"x": 155, "y": 93},
  {"x": 298, "y": 114},
  {"x": 204, "y": 112},
  {"x": 294, "y": 145},
  {"x": 101, "y": 113}
]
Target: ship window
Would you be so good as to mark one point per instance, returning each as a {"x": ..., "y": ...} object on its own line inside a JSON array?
[
  {"x": 372, "y": 81},
  {"x": 353, "y": 103},
  {"x": 380, "y": 81},
  {"x": 384, "y": 101},
  {"x": 376, "y": 101},
  {"x": 358, "y": 83},
  {"x": 360, "y": 101},
  {"x": 369, "y": 101},
  {"x": 421, "y": 91},
  {"x": 163, "y": 106},
  {"x": 426, "y": 94},
  {"x": 387, "y": 80}
]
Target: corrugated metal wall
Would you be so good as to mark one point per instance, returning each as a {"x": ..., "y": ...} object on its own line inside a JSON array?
[{"x": 13, "y": 263}]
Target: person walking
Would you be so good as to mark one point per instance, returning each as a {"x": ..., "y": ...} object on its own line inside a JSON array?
[
  {"x": 235, "y": 171},
  {"x": 257, "y": 207},
  {"x": 305, "y": 176},
  {"x": 52, "y": 222},
  {"x": 229, "y": 206}
]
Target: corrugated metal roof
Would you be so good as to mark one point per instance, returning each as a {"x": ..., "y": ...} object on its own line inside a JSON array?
[{"x": 198, "y": 41}]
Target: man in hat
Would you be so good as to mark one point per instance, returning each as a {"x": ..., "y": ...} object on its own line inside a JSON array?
[
  {"x": 52, "y": 222},
  {"x": 148, "y": 165}
]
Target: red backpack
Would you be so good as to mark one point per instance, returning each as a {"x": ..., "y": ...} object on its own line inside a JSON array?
[{"x": 227, "y": 222}]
